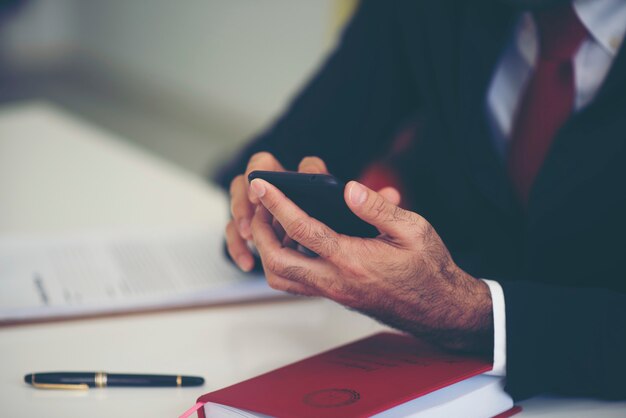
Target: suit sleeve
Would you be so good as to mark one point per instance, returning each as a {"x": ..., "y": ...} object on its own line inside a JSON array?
[
  {"x": 351, "y": 107},
  {"x": 567, "y": 341}
]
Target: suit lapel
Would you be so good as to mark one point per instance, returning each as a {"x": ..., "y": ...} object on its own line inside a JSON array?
[
  {"x": 486, "y": 29},
  {"x": 582, "y": 147},
  {"x": 585, "y": 144}
]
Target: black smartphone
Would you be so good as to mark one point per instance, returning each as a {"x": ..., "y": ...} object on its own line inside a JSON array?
[{"x": 320, "y": 196}]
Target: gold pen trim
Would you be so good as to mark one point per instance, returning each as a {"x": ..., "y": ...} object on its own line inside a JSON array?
[
  {"x": 179, "y": 380},
  {"x": 100, "y": 379},
  {"x": 65, "y": 386}
]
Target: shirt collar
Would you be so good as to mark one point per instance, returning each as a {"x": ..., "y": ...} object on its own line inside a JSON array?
[
  {"x": 604, "y": 19},
  {"x": 527, "y": 38}
]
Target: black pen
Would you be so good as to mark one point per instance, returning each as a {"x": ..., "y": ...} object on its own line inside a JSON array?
[{"x": 86, "y": 380}]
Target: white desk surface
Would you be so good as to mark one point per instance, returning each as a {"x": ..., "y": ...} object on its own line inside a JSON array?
[{"x": 59, "y": 174}]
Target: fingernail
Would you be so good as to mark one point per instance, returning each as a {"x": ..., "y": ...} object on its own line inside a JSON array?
[
  {"x": 257, "y": 188},
  {"x": 357, "y": 194},
  {"x": 244, "y": 227},
  {"x": 245, "y": 262}
]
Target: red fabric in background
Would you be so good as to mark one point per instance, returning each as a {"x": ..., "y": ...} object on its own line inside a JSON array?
[{"x": 384, "y": 172}]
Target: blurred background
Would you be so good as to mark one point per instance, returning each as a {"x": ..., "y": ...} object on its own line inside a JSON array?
[{"x": 189, "y": 80}]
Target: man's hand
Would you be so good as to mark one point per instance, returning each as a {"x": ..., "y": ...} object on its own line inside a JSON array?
[
  {"x": 405, "y": 277},
  {"x": 243, "y": 204}
]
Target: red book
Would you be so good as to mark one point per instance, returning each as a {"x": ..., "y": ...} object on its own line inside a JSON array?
[{"x": 359, "y": 379}]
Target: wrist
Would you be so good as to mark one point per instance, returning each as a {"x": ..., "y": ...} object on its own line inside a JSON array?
[{"x": 472, "y": 325}]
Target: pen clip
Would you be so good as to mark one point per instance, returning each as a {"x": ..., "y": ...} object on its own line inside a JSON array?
[{"x": 66, "y": 386}]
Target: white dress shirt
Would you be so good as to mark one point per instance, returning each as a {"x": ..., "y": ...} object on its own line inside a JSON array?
[{"x": 605, "y": 21}]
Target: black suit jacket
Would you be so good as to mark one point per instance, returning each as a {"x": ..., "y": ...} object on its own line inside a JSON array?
[{"x": 562, "y": 262}]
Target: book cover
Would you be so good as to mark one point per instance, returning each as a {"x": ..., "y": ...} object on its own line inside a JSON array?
[{"x": 355, "y": 380}]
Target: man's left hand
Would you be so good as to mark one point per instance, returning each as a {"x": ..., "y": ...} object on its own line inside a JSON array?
[{"x": 404, "y": 277}]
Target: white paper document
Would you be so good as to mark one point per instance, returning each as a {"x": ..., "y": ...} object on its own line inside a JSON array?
[{"x": 117, "y": 272}]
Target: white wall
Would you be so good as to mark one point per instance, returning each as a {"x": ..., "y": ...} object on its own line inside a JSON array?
[
  {"x": 183, "y": 78},
  {"x": 237, "y": 57},
  {"x": 38, "y": 32}
]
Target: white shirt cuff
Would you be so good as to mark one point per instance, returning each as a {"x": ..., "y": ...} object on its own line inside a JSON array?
[{"x": 499, "y": 329}]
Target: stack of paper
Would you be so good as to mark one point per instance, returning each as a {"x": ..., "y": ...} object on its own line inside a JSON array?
[{"x": 118, "y": 272}]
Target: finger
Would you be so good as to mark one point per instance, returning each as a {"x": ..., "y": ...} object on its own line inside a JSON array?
[
  {"x": 391, "y": 194},
  {"x": 282, "y": 235},
  {"x": 278, "y": 230},
  {"x": 300, "y": 227},
  {"x": 261, "y": 161},
  {"x": 314, "y": 165},
  {"x": 289, "y": 286},
  {"x": 238, "y": 249},
  {"x": 374, "y": 209},
  {"x": 287, "y": 263},
  {"x": 241, "y": 208}
]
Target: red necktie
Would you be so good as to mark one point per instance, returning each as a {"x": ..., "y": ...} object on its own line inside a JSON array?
[{"x": 549, "y": 97}]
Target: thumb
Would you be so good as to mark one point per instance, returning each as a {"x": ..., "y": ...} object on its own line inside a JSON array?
[
  {"x": 374, "y": 209},
  {"x": 391, "y": 194}
]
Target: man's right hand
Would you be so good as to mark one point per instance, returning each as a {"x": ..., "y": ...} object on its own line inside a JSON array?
[{"x": 243, "y": 204}]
